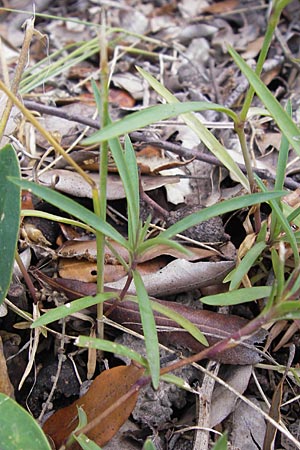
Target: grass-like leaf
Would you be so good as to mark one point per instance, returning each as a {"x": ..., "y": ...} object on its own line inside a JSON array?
[
  {"x": 282, "y": 221},
  {"x": 218, "y": 209},
  {"x": 147, "y": 116},
  {"x": 71, "y": 308},
  {"x": 178, "y": 318},
  {"x": 70, "y": 206},
  {"x": 280, "y": 116},
  {"x": 149, "y": 328},
  {"x": 201, "y": 131},
  {"x": 237, "y": 297},
  {"x": 235, "y": 277},
  {"x": 10, "y": 207},
  {"x": 112, "y": 347},
  {"x": 86, "y": 443}
]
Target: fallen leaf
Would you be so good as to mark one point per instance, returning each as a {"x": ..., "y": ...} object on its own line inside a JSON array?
[
  {"x": 73, "y": 184},
  {"x": 180, "y": 276},
  {"x": 105, "y": 391},
  {"x": 5, "y": 384}
]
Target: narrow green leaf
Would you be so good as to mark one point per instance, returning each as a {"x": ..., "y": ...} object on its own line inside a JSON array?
[
  {"x": 149, "y": 328},
  {"x": 286, "y": 309},
  {"x": 10, "y": 207},
  {"x": 221, "y": 443},
  {"x": 148, "y": 445},
  {"x": 182, "y": 321},
  {"x": 219, "y": 209},
  {"x": 124, "y": 172},
  {"x": 201, "y": 131},
  {"x": 245, "y": 265},
  {"x": 86, "y": 443},
  {"x": 18, "y": 429},
  {"x": 71, "y": 308},
  {"x": 70, "y": 206},
  {"x": 132, "y": 168},
  {"x": 281, "y": 219},
  {"x": 112, "y": 347},
  {"x": 182, "y": 384},
  {"x": 280, "y": 116},
  {"x": 148, "y": 116},
  {"x": 178, "y": 318},
  {"x": 238, "y": 296}
]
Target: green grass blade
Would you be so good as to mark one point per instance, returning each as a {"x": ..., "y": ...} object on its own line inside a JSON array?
[
  {"x": 148, "y": 445},
  {"x": 18, "y": 429},
  {"x": 10, "y": 207},
  {"x": 147, "y": 116},
  {"x": 245, "y": 265},
  {"x": 237, "y": 297},
  {"x": 149, "y": 328},
  {"x": 70, "y": 308},
  {"x": 221, "y": 443},
  {"x": 219, "y": 209},
  {"x": 281, "y": 219},
  {"x": 201, "y": 131},
  {"x": 112, "y": 347},
  {"x": 280, "y": 116},
  {"x": 86, "y": 443},
  {"x": 70, "y": 206},
  {"x": 176, "y": 317}
]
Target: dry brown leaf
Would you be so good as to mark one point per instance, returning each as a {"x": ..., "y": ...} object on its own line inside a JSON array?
[
  {"x": 88, "y": 250},
  {"x": 221, "y": 7},
  {"x": 5, "y": 384},
  {"x": 105, "y": 391},
  {"x": 87, "y": 271}
]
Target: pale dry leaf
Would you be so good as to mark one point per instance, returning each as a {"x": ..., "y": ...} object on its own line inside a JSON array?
[
  {"x": 247, "y": 427},
  {"x": 73, "y": 184},
  {"x": 181, "y": 276},
  {"x": 223, "y": 400}
]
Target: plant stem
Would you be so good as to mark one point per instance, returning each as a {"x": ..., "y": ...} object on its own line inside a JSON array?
[
  {"x": 100, "y": 204},
  {"x": 278, "y": 6},
  {"x": 18, "y": 74}
]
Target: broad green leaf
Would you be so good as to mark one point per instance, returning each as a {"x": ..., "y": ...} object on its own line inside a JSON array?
[
  {"x": 201, "y": 131},
  {"x": 70, "y": 206},
  {"x": 86, "y": 443},
  {"x": 10, "y": 207},
  {"x": 148, "y": 116},
  {"x": 238, "y": 296},
  {"x": 280, "y": 116},
  {"x": 219, "y": 209},
  {"x": 112, "y": 347},
  {"x": 71, "y": 308},
  {"x": 149, "y": 328},
  {"x": 245, "y": 265},
  {"x": 18, "y": 429}
]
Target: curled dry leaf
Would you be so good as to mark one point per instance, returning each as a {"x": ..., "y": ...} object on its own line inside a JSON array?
[
  {"x": 106, "y": 390},
  {"x": 73, "y": 184}
]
